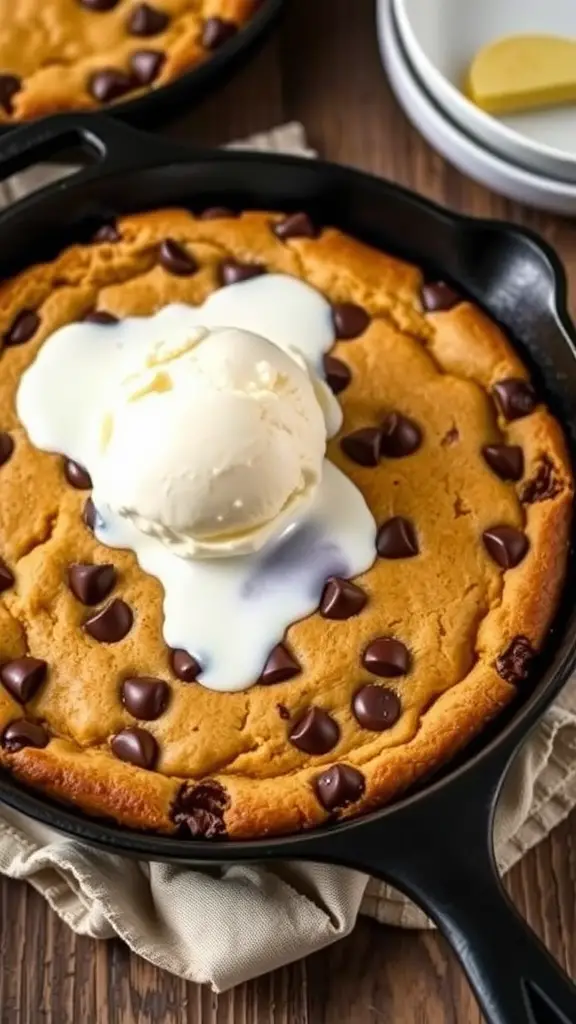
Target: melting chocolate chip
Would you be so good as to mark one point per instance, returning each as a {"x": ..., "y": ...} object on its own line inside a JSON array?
[
  {"x": 376, "y": 708},
  {"x": 296, "y": 225},
  {"x": 6, "y": 447},
  {"x": 217, "y": 213},
  {"x": 199, "y": 810},
  {"x": 146, "y": 20},
  {"x": 515, "y": 397},
  {"x": 338, "y": 375},
  {"x": 349, "y": 319},
  {"x": 397, "y": 538},
  {"x": 184, "y": 666},
  {"x": 109, "y": 84},
  {"x": 91, "y": 583},
  {"x": 145, "y": 697},
  {"x": 316, "y": 732},
  {"x": 90, "y": 515},
  {"x": 362, "y": 446},
  {"x": 107, "y": 233},
  {"x": 100, "y": 316},
  {"x": 175, "y": 259},
  {"x": 506, "y": 460},
  {"x": 23, "y": 676},
  {"x": 341, "y": 599},
  {"x": 146, "y": 65},
  {"x": 283, "y": 712},
  {"x": 137, "y": 746},
  {"x": 232, "y": 272},
  {"x": 23, "y": 327},
  {"x": 77, "y": 476},
  {"x": 506, "y": 545},
  {"x": 111, "y": 623},
  {"x": 543, "y": 485},
  {"x": 281, "y": 665},
  {"x": 386, "y": 657},
  {"x": 514, "y": 664},
  {"x": 9, "y": 86},
  {"x": 438, "y": 296},
  {"x": 22, "y": 733},
  {"x": 339, "y": 786},
  {"x": 400, "y": 436},
  {"x": 6, "y": 576},
  {"x": 216, "y": 32},
  {"x": 99, "y": 5}
]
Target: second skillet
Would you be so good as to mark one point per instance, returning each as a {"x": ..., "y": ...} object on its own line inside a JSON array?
[{"x": 436, "y": 844}]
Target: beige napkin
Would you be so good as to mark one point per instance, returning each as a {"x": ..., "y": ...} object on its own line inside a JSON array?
[{"x": 228, "y": 926}]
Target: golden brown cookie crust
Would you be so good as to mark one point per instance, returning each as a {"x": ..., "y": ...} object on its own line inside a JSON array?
[
  {"x": 456, "y": 610},
  {"x": 56, "y": 47}
]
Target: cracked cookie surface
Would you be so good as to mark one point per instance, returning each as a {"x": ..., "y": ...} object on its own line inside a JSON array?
[{"x": 464, "y": 470}]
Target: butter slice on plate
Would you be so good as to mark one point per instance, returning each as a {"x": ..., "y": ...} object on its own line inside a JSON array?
[{"x": 522, "y": 73}]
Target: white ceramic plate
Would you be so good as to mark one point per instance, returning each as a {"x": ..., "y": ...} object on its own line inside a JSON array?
[
  {"x": 441, "y": 38},
  {"x": 464, "y": 152}
]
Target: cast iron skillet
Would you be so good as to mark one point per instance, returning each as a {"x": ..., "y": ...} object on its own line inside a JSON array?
[
  {"x": 157, "y": 106},
  {"x": 436, "y": 843}
]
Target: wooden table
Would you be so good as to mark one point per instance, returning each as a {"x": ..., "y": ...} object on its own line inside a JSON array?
[{"x": 323, "y": 69}]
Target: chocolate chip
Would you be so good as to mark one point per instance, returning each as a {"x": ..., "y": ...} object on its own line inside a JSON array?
[
  {"x": 439, "y": 296},
  {"x": 90, "y": 516},
  {"x": 99, "y": 5},
  {"x": 137, "y": 746},
  {"x": 362, "y": 446},
  {"x": 6, "y": 576},
  {"x": 386, "y": 657},
  {"x": 217, "y": 213},
  {"x": 514, "y": 664},
  {"x": 341, "y": 599},
  {"x": 316, "y": 732},
  {"x": 506, "y": 460},
  {"x": 232, "y": 272},
  {"x": 91, "y": 583},
  {"x": 376, "y": 708},
  {"x": 400, "y": 436},
  {"x": 111, "y": 623},
  {"x": 296, "y": 225},
  {"x": 107, "y": 233},
  {"x": 6, "y": 447},
  {"x": 216, "y": 32},
  {"x": 146, "y": 20},
  {"x": 543, "y": 485},
  {"x": 283, "y": 712},
  {"x": 77, "y": 476},
  {"x": 23, "y": 676},
  {"x": 9, "y": 86},
  {"x": 22, "y": 733},
  {"x": 349, "y": 319},
  {"x": 338, "y": 375},
  {"x": 146, "y": 65},
  {"x": 24, "y": 326},
  {"x": 397, "y": 538},
  {"x": 199, "y": 810},
  {"x": 108, "y": 84},
  {"x": 145, "y": 697},
  {"x": 184, "y": 666},
  {"x": 506, "y": 545},
  {"x": 100, "y": 316},
  {"x": 515, "y": 397},
  {"x": 175, "y": 259},
  {"x": 281, "y": 665},
  {"x": 339, "y": 786}
]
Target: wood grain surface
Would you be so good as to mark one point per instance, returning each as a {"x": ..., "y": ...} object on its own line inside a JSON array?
[{"x": 321, "y": 68}]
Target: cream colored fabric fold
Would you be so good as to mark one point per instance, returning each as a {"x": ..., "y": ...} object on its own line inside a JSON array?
[{"x": 224, "y": 927}]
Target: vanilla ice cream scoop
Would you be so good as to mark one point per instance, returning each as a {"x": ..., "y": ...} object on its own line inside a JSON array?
[{"x": 214, "y": 443}]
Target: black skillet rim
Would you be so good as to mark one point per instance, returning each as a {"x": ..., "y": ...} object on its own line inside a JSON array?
[
  {"x": 172, "y": 100},
  {"x": 153, "y": 846}
]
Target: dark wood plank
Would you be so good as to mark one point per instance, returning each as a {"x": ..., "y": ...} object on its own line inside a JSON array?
[{"x": 323, "y": 69}]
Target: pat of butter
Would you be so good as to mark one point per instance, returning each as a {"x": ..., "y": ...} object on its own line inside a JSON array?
[{"x": 522, "y": 73}]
